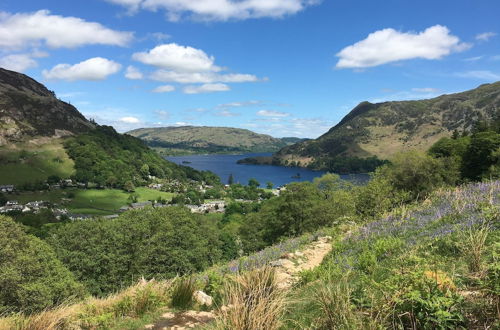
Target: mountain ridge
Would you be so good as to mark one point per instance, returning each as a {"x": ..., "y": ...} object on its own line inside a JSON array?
[
  {"x": 383, "y": 129},
  {"x": 209, "y": 139},
  {"x": 28, "y": 110}
]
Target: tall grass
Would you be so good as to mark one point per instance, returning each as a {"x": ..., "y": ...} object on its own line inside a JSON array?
[
  {"x": 254, "y": 302},
  {"x": 96, "y": 313},
  {"x": 472, "y": 245},
  {"x": 182, "y": 294}
]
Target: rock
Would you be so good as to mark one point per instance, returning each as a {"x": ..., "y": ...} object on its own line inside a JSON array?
[
  {"x": 299, "y": 254},
  {"x": 202, "y": 298},
  {"x": 276, "y": 263}
]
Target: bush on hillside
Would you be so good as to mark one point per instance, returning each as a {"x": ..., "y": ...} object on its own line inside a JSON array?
[{"x": 31, "y": 277}]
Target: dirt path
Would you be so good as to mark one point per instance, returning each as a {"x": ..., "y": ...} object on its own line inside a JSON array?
[{"x": 287, "y": 270}]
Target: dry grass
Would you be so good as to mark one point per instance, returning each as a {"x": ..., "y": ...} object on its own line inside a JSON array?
[
  {"x": 135, "y": 301},
  {"x": 254, "y": 302}
]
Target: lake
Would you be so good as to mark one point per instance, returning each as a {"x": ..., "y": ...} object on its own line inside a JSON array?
[{"x": 225, "y": 165}]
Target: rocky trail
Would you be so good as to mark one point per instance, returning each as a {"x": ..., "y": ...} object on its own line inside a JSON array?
[{"x": 287, "y": 271}]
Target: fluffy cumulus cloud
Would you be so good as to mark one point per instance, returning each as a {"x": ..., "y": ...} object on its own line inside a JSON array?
[
  {"x": 133, "y": 73},
  {"x": 219, "y": 10},
  {"x": 206, "y": 88},
  {"x": 187, "y": 65},
  {"x": 17, "y": 62},
  {"x": 93, "y": 69},
  {"x": 389, "y": 45},
  {"x": 177, "y": 58},
  {"x": 485, "y": 36},
  {"x": 130, "y": 120},
  {"x": 271, "y": 113},
  {"x": 164, "y": 89},
  {"x": 42, "y": 28}
]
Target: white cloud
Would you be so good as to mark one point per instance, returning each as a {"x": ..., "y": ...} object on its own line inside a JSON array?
[
  {"x": 93, "y": 69},
  {"x": 479, "y": 74},
  {"x": 239, "y": 104},
  {"x": 132, "y": 5},
  {"x": 226, "y": 113},
  {"x": 162, "y": 114},
  {"x": 206, "y": 88},
  {"x": 201, "y": 77},
  {"x": 473, "y": 59},
  {"x": 426, "y": 90},
  {"x": 220, "y": 10},
  {"x": 485, "y": 36},
  {"x": 177, "y": 58},
  {"x": 18, "y": 62},
  {"x": 270, "y": 113},
  {"x": 32, "y": 29},
  {"x": 133, "y": 73},
  {"x": 389, "y": 45},
  {"x": 130, "y": 120},
  {"x": 164, "y": 89}
]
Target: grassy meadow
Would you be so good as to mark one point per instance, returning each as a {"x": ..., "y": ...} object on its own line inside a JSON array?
[
  {"x": 92, "y": 201},
  {"x": 31, "y": 163}
]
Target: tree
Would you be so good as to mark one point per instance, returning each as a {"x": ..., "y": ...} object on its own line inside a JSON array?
[
  {"x": 480, "y": 154},
  {"x": 31, "y": 276},
  {"x": 129, "y": 186},
  {"x": 107, "y": 255},
  {"x": 253, "y": 183},
  {"x": 230, "y": 180},
  {"x": 53, "y": 179},
  {"x": 3, "y": 199},
  {"x": 269, "y": 185}
]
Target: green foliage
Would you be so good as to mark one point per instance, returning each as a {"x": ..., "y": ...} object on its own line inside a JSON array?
[
  {"x": 299, "y": 209},
  {"x": 107, "y": 254},
  {"x": 480, "y": 155},
  {"x": 3, "y": 199},
  {"x": 424, "y": 304},
  {"x": 419, "y": 174},
  {"x": 253, "y": 183},
  {"x": 182, "y": 294},
  {"x": 110, "y": 159},
  {"x": 31, "y": 276}
]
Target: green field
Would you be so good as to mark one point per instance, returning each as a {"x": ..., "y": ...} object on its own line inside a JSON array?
[
  {"x": 92, "y": 201},
  {"x": 30, "y": 163}
]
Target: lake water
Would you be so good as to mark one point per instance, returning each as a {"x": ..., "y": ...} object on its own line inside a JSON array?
[{"x": 225, "y": 165}]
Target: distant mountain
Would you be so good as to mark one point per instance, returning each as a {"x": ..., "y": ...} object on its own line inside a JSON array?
[
  {"x": 383, "y": 129},
  {"x": 29, "y": 110},
  {"x": 204, "y": 139}
]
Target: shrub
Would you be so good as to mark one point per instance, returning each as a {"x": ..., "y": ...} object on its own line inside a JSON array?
[
  {"x": 31, "y": 277},
  {"x": 424, "y": 303}
]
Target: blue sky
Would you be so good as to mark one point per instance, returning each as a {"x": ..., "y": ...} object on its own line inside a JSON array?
[{"x": 280, "y": 67}]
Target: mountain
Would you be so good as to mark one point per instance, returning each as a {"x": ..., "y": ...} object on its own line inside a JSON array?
[
  {"x": 42, "y": 137},
  {"x": 28, "y": 110},
  {"x": 383, "y": 129},
  {"x": 203, "y": 139}
]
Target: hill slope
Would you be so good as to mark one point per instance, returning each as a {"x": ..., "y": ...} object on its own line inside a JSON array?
[
  {"x": 203, "y": 139},
  {"x": 386, "y": 128},
  {"x": 41, "y": 136},
  {"x": 29, "y": 110}
]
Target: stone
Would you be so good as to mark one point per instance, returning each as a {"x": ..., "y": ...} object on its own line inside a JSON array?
[
  {"x": 202, "y": 298},
  {"x": 277, "y": 263}
]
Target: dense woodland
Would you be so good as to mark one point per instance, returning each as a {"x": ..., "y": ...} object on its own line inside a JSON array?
[{"x": 110, "y": 159}]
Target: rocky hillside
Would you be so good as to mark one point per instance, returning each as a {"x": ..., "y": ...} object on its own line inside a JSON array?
[
  {"x": 383, "y": 129},
  {"x": 29, "y": 110},
  {"x": 202, "y": 139}
]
